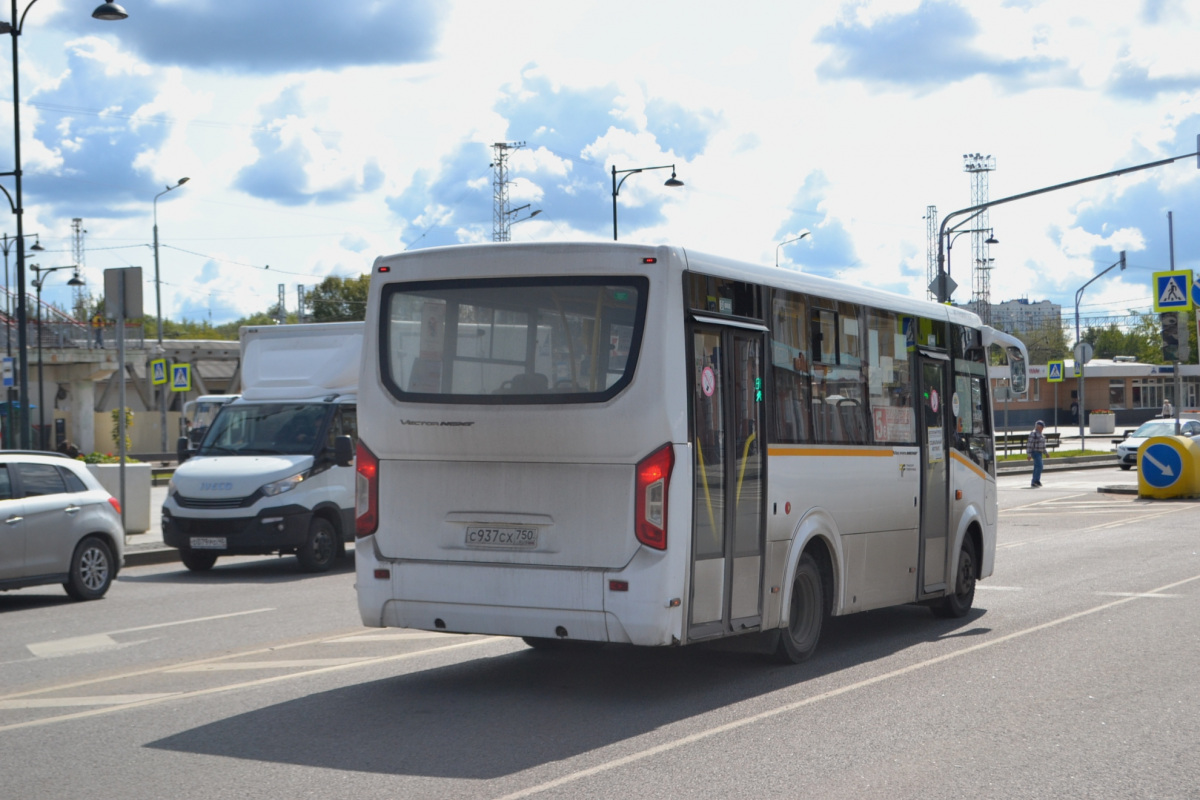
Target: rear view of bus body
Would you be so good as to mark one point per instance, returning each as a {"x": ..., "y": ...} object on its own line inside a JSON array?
[
  {"x": 508, "y": 416},
  {"x": 623, "y": 443}
]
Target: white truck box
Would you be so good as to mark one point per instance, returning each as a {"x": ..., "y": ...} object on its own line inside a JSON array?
[{"x": 264, "y": 480}]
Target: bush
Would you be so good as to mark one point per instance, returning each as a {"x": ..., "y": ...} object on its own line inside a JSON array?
[{"x": 103, "y": 458}]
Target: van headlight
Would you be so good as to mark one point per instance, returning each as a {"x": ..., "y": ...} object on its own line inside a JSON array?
[{"x": 285, "y": 485}]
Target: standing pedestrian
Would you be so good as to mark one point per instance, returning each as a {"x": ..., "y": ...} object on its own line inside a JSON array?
[
  {"x": 1167, "y": 411},
  {"x": 98, "y": 329},
  {"x": 1037, "y": 451}
]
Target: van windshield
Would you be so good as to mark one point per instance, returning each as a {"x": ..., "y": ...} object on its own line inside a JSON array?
[
  {"x": 543, "y": 340},
  {"x": 266, "y": 429}
]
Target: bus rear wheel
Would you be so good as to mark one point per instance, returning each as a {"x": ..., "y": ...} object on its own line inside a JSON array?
[
  {"x": 959, "y": 602},
  {"x": 806, "y": 614}
]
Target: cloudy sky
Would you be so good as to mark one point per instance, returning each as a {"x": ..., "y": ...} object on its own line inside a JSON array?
[{"x": 319, "y": 135}]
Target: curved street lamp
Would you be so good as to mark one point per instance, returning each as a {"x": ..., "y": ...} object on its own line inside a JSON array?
[
  {"x": 162, "y": 390},
  {"x": 38, "y": 282},
  {"x": 803, "y": 234},
  {"x": 1078, "y": 352},
  {"x": 14, "y": 27},
  {"x": 672, "y": 181}
]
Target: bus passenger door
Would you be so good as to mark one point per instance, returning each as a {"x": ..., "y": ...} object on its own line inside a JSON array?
[
  {"x": 934, "y": 472},
  {"x": 729, "y": 465}
]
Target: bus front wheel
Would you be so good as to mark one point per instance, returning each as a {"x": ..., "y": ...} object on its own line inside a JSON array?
[
  {"x": 806, "y": 614},
  {"x": 959, "y": 602}
]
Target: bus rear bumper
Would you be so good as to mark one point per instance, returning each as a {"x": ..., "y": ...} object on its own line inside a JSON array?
[{"x": 503, "y": 600}]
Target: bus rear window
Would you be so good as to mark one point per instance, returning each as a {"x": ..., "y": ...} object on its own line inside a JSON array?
[{"x": 528, "y": 340}]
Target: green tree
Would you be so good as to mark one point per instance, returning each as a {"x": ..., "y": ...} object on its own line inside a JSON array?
[
  {"x": 1045, "y": 343},
  {"x": 339, "y": 299}
]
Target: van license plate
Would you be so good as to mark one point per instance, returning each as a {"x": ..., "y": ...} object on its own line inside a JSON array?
[
  {"x": 208, "y": 542},
  {"x": 506, "y": 538}
]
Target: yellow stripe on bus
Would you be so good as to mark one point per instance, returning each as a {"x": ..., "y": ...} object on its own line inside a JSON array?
[{"x": 969, "y": 464}]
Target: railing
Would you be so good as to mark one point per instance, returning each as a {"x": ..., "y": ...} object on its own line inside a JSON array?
[{"x": 59, "y": 329}]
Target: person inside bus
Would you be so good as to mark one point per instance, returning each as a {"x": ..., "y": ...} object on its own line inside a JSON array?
[{"x": 1037, "y": 451}]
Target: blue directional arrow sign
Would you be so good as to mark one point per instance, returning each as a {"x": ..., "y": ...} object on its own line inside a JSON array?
[{"x": 1160, "y": 465}]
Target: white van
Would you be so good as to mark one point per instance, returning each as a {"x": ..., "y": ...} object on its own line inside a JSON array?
[{"x": 263, "y": 480}]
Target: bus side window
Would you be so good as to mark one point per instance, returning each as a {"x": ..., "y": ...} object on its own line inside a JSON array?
[{"x": 789, "y": 369}]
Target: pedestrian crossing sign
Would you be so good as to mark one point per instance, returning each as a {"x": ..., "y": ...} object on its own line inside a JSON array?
[
  {"x": 158, "y": 371},
  {"x": 1172, "y": 291},
  {"x": 1054, "y": 371},
  {"x": 181, "y": 377}
]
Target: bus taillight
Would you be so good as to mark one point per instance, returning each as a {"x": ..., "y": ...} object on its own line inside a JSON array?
[
  {"x": 650, "y": 508},
  {"x": 366, "y": 491}
]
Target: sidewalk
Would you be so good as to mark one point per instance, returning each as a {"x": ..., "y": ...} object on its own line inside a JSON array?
[{"x": 148, "y": 548}]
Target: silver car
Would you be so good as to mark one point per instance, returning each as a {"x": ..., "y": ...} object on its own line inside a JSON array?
[
  {"x": 1128, "y": 449},
  {"x": 57, "y": 525}
]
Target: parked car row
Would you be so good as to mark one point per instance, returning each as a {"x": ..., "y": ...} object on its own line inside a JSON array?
[
  {"x": 57, "y": 525},
  {"x": 1127, "y": 450}
]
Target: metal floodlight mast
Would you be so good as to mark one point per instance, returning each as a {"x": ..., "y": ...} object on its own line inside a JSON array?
[
  {"x": 942, "y": 286},
  {"x": 14, "y": 27}
]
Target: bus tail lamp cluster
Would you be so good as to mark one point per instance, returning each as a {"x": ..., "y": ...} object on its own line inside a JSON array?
[
  {"x": 366, "y": 491},
  {"x": 650, "y": 508}
]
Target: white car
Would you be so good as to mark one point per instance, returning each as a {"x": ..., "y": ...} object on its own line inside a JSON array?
[
  {"x": 1128, "y": 449},
  {"x": 57, "y": 525}
]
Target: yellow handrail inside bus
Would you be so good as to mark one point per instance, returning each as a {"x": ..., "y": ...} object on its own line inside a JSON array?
[
  {"x": 712, "y": 520},
  {"x": 742, "y": 472}
]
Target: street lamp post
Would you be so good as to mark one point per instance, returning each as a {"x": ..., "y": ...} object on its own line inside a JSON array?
[
  {"x": 941, "y": 284},
  {"x": 162, "y": 390},
  {"x": 16, "y": 23},
  {"x": 38, "y": 282},
  {"x": 672, "y": 182},
  {"x": 954, "y": 233},
  {"x": 803, "y": 234},
  {"x": 1079, "y": 342}
]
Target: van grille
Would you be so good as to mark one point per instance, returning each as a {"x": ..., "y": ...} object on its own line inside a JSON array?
[{"x": 217, "y": 503}]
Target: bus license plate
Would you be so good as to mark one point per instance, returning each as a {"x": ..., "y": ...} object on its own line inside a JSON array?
[
  {"x": 208, "y": 542},
  {"x": 507, "y": 538}
]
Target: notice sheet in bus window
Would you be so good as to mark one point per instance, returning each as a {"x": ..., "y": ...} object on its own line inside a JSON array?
[{"x": 545, "y": 340}]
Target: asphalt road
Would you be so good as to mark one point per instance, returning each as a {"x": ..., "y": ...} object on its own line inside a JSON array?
[{"x": 1074, "y": 677}]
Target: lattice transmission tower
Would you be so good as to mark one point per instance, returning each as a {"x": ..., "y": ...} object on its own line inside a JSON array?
[
  {"x": 501, "y": 216},
  {"x": 981, "y": 262},
  {"x": 78, "y": 294},
  {"x": 931, "y": 246}
]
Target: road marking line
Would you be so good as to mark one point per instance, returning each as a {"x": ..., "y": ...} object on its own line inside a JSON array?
[
  {"x": 94, "y": 712},
  {"x": 190, "y": 621},
  {"x": 989, "y": 587},
  {"x": 1102, "y": 527},
  {"x": 1138, "y": 594},
  {"x": 281, "y": 664},
  {"x": 100, "y": 641},
  {"x": 392, "y": 637},
  {"x": 67, "y": 702},
  {"x": 157, "y": 670},
  {"x": 683, "y": 741},
  {"x": 1043, "y": 502},
  {"x": 75, "y": 644}
]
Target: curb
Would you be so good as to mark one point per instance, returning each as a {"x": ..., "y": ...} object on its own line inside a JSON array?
[{"x": 151, "y": 555}]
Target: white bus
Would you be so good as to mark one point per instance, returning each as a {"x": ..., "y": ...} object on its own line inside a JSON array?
[{"x": 677, "y": 448}]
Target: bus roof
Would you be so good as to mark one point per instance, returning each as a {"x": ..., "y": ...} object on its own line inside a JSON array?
[{"x": 718, "y": 266}]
